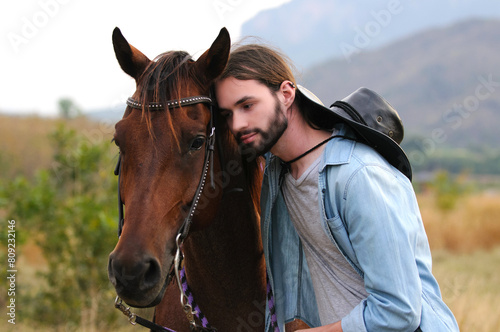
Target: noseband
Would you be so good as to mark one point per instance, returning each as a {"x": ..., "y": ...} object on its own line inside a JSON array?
[{"x": 184, "y": 229}]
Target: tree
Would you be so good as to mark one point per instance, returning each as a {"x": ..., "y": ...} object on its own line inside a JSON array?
[{"x": 68, "y": 109}]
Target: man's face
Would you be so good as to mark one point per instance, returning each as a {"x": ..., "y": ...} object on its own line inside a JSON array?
[{"x": 254, "y": 114}]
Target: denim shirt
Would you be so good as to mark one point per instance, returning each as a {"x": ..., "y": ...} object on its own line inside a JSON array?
[{"x": 370, "y": 212}]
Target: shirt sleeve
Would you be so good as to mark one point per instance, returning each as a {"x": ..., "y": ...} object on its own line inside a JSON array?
[{"x": 382, "y": 218}]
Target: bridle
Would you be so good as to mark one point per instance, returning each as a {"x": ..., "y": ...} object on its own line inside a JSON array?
[
  {"x": 188, "y": 220},
  {"x": 184, "y": 229}
]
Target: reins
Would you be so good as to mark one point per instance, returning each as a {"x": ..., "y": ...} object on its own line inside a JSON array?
[{"x": 186, "y": 299}]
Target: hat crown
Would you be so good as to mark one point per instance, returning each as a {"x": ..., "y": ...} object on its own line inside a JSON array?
[
  {"x": 372, "y": 118},
  {"x": 369, "y": 108}
]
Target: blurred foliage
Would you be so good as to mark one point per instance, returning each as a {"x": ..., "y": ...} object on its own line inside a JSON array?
[
  {"x": 68, "y": 109},
  {"x": 26, "y": 145},
  {"x": 428, "y": 156},
  {"x": 60, "y": 189},
  {"x": 448, "y": 189},
  {"x": 69, "y": 210}
]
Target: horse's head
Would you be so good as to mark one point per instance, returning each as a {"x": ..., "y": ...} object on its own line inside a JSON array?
[{"x": 162, "y": 154}]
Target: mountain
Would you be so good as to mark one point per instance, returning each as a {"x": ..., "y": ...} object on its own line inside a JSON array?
[
  {"x": 436, "y": 79},
  {"x": 444, "y": 82},
  {"x": 312, "y": 31}
]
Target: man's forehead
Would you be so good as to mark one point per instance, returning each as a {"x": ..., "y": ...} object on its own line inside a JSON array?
[{"x": 232, "y": 91}]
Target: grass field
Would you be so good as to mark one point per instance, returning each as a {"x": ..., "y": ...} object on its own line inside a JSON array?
[
  {"x": 25, "y": 144},
  {"x": 465, "y": 243},
  {"x": 466, "y": 262},
  {"x": 465, "y": 240},
  {"x": 470, "y": 284}
]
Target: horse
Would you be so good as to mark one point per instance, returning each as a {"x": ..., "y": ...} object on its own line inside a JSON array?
[
  {"x": 165, "y": 139},
  {"x": 162, "y": 169}
]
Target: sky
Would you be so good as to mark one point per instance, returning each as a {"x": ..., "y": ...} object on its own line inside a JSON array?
[{"x": 53, "y": 49}]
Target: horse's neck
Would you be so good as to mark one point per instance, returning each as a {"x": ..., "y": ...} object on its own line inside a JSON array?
[
  {"x": 230, "y": 249},
  {"x": 233, "y": 235},
  {"x": 225, "y": 267}
]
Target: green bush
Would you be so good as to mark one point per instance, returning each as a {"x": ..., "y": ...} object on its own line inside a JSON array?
[
  {"x": 70, "y": 211},
  {"x": 448, "y": 190}
]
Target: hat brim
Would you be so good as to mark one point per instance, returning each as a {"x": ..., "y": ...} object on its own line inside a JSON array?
[{"x": 379, "y": 141}]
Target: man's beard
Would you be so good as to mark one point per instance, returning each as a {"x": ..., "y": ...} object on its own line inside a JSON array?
[{"x": 268, "y": 139}]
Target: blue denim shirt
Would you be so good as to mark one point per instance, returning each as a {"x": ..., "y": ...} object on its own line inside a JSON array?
[{"x": 370, "y": 212}]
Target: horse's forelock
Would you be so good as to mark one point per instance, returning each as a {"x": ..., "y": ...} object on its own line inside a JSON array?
[{"x": 162, "y": 81}]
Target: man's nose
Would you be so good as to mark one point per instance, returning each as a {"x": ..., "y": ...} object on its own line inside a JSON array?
[{"x": 238, "y": 122}]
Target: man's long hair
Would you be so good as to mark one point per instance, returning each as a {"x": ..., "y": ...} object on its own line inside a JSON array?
[{"x": 271, "y": 67}]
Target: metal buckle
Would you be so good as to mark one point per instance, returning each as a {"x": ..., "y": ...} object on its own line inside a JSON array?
[
  {"x": 125, "y": 310},
  {"x": 188, "y": 309}
]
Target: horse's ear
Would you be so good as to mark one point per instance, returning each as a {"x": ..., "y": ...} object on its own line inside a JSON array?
[
  {"x": 132, "y": 61},
  {"x": 214, "y": 60}
]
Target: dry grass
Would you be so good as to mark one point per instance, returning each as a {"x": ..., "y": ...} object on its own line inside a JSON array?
[
  {"x": 473, "y": 225},
  {"x": 465, "y": 243},
  {"x": 470, "y": 284},
  {"x": 25, "y": 145}
]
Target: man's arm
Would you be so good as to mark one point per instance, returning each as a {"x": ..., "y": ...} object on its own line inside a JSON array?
[{"x": 382, "y": 218}]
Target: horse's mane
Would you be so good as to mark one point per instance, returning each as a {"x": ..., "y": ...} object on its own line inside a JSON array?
[{"x": 163, "y": 80}]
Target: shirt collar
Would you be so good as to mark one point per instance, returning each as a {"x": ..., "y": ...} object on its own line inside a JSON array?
[{"x": 339, "y": 150}]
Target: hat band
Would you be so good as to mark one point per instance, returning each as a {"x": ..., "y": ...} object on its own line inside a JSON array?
[{"x": 351, "y": 111}]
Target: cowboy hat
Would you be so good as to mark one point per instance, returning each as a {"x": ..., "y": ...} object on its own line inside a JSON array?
[{"x": 374, "y": 120}]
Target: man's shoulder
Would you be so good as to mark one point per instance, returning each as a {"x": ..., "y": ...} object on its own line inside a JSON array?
[{"x": 347, "y": 155}]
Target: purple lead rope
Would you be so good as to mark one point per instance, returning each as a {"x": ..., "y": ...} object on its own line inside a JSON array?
[
  {"x": 203, "y": 319},
  {"x": 192, "y": 303},
  {"x": 272, "y": 309}
]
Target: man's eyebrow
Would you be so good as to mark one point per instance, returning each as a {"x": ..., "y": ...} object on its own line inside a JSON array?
[{"x": 240, "y": 101}]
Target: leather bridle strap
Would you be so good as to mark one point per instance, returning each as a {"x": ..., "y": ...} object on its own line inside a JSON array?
[
  {"x": 184, "y": 229},
  {"x": 171, "y": 103},
  {"x": 186, "y": 225},
  {"x": 118, "y": 169}
]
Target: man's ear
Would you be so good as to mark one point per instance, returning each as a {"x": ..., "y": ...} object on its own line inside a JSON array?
[{"x": 287, "y": 90}]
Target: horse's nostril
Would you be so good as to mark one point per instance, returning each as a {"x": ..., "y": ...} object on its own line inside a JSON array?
[
  {"x": 152, "y": 273},
  {"x": 139, "y": 275}
]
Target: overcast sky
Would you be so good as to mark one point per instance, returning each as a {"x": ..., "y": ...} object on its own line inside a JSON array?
[{"x": 62, "y": 48}]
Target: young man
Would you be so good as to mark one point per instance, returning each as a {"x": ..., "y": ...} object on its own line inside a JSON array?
[{"x": 344, "y": 242}]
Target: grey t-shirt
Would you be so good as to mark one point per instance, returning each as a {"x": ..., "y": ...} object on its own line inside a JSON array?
[{"x": 338, "y": 287}]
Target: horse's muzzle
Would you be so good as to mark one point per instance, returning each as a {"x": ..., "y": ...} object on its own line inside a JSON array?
[{"x": 139, "y": 282}]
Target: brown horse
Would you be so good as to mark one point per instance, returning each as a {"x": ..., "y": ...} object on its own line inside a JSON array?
[{"x": 162, "y": 154}]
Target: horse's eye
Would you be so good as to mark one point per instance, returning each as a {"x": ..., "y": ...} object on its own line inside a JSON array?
[{"x": 197, "y": 143}]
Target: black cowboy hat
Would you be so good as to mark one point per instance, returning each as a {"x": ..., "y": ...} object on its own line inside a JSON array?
[{"x": 374, "y": 120}]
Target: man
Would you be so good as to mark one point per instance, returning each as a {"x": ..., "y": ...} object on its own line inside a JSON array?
[{"x": 344, "y": 242}]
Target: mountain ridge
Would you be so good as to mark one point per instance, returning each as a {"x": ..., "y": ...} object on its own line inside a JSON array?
[
  {"x": 313, "y": 31},
  {"x": 428, "y": 77},
  {"x": 439, "y": 79}
]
